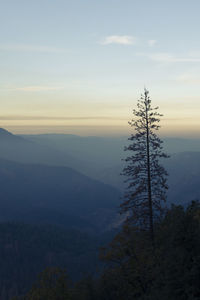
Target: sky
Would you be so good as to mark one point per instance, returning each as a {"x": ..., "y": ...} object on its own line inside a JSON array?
[{"x": 80, "y": 66}]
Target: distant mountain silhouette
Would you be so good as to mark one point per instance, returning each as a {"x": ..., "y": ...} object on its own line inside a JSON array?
[
  {"x": 9, "y": 137},
  {"x": 183, "y": 180},
  {"x": 89, "y": 155},
  {"x": 184, "y": 177},
  {"x": 23, "y": 150},
  {"x": 100, "y": 158}
]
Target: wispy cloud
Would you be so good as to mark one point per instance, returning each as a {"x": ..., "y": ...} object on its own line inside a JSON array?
[
  {"x": 30, "y": 48},
  {"x": 165, "y": 57},
  {"x": 119, "y": 39},
  {"x": 39, "y": 88},
  {"x": 188, "y": 78},
  {"x": 152, "y": 43}
]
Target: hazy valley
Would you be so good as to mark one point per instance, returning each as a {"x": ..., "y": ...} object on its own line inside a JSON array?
[{"x": 61, "y": 190}]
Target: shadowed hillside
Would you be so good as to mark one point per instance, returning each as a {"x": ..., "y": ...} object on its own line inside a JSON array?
[{"x": 54, "y": 194}]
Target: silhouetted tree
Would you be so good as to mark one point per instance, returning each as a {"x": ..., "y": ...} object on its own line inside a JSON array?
[{"x": 146, "y": 176}]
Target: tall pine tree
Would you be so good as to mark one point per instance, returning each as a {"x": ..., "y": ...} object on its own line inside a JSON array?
[{"x": 146, "y": 177}]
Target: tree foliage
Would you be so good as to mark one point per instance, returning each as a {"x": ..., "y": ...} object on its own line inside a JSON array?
[
  {"x": 52, "y": 284},
  {"x": 173, "y": 271}
]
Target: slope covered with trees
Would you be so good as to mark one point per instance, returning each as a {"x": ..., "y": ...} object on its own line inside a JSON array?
[
  {"x": 26, "y": 250},
  {"x": 133, "y": 271}
]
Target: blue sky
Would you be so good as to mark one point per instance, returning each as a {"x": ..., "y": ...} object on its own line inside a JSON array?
[{"x": 79, "y": 66}]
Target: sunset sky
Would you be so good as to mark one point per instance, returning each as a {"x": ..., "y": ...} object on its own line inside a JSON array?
[{"x": 79, "y": 66}]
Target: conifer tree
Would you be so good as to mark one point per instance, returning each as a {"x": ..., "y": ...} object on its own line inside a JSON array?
[{"x": 146, "y": 177}]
